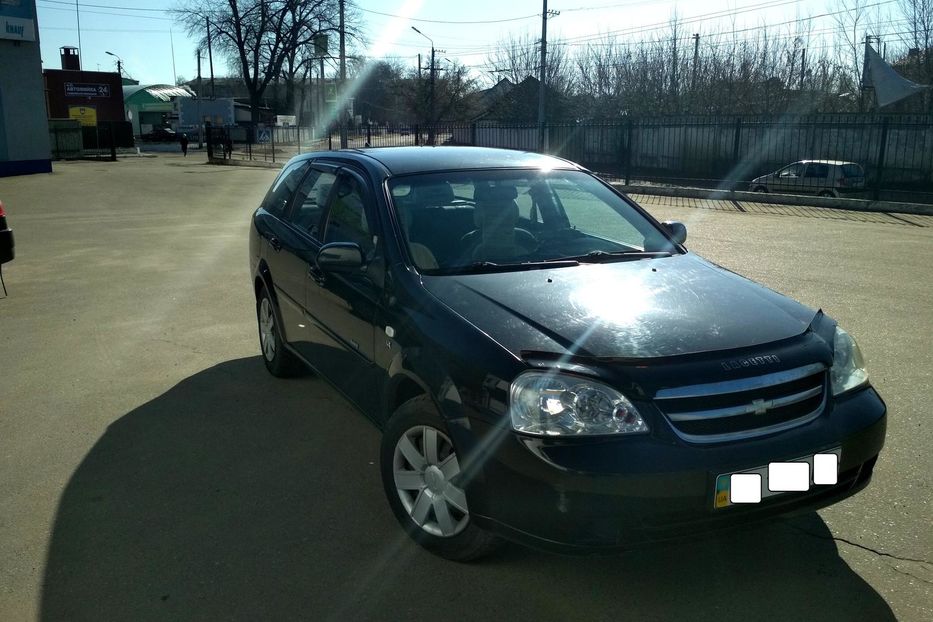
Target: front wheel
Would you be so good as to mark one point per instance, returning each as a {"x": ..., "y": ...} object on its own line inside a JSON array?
[
  {"x": 424, "y": 484},
  {"x": 828, "y": 194},
  {"x": 761, "y": 189}
]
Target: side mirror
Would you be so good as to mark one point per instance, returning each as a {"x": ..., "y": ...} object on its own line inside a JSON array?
[
  {"x": 340, "y": 257},
  {"x": 677, "y": 229}
]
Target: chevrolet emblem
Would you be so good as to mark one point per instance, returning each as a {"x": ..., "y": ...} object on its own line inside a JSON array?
[{"x": 760, "y": 406}]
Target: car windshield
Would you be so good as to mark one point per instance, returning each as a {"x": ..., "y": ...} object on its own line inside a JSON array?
[{"x": 465, "y": 221}]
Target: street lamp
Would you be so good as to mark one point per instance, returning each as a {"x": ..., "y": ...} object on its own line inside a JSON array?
[
  {"x": 431, "y": 126},
  {"x": 119, "y": 63}
]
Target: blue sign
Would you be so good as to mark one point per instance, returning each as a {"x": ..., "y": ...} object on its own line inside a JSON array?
[{"x": 18, "y": 20}]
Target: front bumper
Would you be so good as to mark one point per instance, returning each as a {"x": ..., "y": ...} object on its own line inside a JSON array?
[{"x": 598, "y": 494}]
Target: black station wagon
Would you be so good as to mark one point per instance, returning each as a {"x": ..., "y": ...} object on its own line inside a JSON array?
[{"x": 548, "y": 363}]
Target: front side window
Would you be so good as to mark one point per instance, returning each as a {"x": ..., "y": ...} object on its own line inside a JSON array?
[
  {"x": 518, "y": 218},
  {"x": 794, "y": 170},
  {"x": 283, "y": 188}
]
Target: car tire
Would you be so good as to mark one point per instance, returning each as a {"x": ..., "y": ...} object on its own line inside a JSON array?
[
  {"x": 760, "y": 189},
  {"x": 828, "y": 193},
  {"x": 280, "y": 362},
  {"x": 421, "y": 476}
]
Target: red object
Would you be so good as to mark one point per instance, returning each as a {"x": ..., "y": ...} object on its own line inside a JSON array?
[{"x": 2, "y": 213}]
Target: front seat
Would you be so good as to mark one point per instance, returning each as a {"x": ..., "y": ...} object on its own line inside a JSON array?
[{"x": 496, "y": 238}]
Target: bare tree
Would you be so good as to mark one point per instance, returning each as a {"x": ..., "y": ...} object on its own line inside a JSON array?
[{"x": 261, "y": 37}]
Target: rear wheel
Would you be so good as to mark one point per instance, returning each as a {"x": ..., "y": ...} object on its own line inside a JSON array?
[
  {"x": 760, "y": 189},
  {"x": 279, "y": 361},
  {"x": 828, "y": 193},
  {"x": 424, "y": 484}
]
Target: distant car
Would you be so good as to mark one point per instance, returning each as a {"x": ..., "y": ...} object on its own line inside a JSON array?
[
  {"x": 161, "y": 135},
  {"x": 6, "y": 238},
  {"x": 548, "y": 363},
  {"x": 825, "y": 178}
]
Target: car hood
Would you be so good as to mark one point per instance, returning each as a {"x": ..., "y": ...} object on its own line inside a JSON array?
[{"x": 629, "y": 309}]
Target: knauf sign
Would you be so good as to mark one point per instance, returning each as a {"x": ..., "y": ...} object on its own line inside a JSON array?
[{"x": 16, "y": 20}]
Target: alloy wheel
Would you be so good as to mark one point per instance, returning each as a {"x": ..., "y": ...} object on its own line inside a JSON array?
[
  {"x": 425, "y": 469},
  {"x": 267, "y": 328}
]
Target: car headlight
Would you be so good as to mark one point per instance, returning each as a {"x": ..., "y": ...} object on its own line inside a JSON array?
[
  {"x": 555, "y": 404},
  {"x": 848, "y": 370}
]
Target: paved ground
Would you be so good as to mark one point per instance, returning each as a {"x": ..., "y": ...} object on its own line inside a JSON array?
[{"x": 151, "y": 469}]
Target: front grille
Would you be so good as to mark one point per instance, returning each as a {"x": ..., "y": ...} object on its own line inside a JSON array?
[{"x": 746, "y": 407}]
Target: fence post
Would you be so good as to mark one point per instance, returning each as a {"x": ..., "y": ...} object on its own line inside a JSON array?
[
  {"x": 298, "y": 129},
  {"x": 473, "y": 133},
  {"x": 417, "y": 134},
  {"x": 272, "y": 141},
  {"x": 629, "y": 130},
  {"x": 210, "y": 140},
  {"x": 736, "y": 145},
  {"x": 249, "y": 141},
  {"x": 882, "y": 148}
]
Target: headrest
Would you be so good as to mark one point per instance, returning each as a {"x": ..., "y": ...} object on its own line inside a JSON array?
[
  {"x": 494, "y": 216},
  {"x": 434, "y": 194},
  {"x": 495, "y": 193},
  {"x": 323, "y": 192}
]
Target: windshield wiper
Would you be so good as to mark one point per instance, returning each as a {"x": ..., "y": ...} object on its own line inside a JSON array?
[
  {"x": 490, "y": 266},
  {"x": 606, "y": 256}
]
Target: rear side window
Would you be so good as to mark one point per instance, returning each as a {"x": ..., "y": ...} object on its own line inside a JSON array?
[
  {"x": 284, "y": 187},
  {"x": 817, "y": 171},
  {"x": 311, "y": 201},
  {"x": 852, "y": 170},
  {"x": 347, "y": 220}
]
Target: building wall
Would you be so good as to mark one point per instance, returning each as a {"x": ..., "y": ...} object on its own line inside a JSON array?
[
  {"x": 101, "y": 90},
  {"x": 24, "y": 129}
]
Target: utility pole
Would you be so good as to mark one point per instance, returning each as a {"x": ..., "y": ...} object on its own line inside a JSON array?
[
  {"x": 431, "y": 114},
  {"x": 696, "y": 62},
  {"x": 674, "y": 77},
  {"x": 210, "y": 55},
  {"x": 341, "y": 103},
  {"x": 200, "y": 139},
  {"x": 803, "y": 66},
  {"x": 80, "y": 49},
  {"x": 433, "y": 119},
  {"x": 542, "y": 77},
  {"x": 865, "y": 86}
]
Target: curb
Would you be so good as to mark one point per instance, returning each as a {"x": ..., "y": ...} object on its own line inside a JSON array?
[
  {"x": 252, "y": 163},
  {"x": 858, "y": 205}
]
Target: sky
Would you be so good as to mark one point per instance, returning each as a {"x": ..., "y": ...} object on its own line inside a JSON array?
[{"x": 154, "y": 48}]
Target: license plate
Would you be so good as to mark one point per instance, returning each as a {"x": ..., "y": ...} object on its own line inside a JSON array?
[{"x": 754, "y": 485}]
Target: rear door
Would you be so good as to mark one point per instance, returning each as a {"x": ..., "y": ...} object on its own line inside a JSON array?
[
  {"x": 281, "y": 248},
  {"x": 304, "y": 222},
  {"x": 789, "y": 179}
]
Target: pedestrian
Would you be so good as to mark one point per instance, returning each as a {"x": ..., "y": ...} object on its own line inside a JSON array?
[
  {"x": 228, "y": 147},
  {"x": 184, "y": 144}
]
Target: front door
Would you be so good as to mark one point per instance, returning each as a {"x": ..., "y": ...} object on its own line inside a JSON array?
[
  {"x": 345, "y": 304},
  {"x": 789, "y": 179}
]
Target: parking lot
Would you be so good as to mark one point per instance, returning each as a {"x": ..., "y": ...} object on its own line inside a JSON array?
[{"x": 150, "y": 468}]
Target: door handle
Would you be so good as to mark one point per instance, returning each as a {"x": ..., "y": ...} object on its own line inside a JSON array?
[
  {"x": 316, "y": 275},
  {"x": 275, "y": 244}
]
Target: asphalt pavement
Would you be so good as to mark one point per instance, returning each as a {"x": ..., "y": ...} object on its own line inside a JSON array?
[{"x": 151, "y": 469}]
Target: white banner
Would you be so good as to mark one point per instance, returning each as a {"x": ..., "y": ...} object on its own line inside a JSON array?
[{"x": 889, "y": 86}]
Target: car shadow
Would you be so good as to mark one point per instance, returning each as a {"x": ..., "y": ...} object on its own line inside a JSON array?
[{"x": 235, "y": 495}]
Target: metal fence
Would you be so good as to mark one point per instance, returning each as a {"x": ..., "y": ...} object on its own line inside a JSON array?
[{"x": 895, "y": 151}]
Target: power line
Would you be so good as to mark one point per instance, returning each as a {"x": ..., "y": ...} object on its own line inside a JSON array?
[
  {"x": 446, "y": 21},
  {"x": 108, "y": 6},
  {"x": 91, "y": 11}
]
